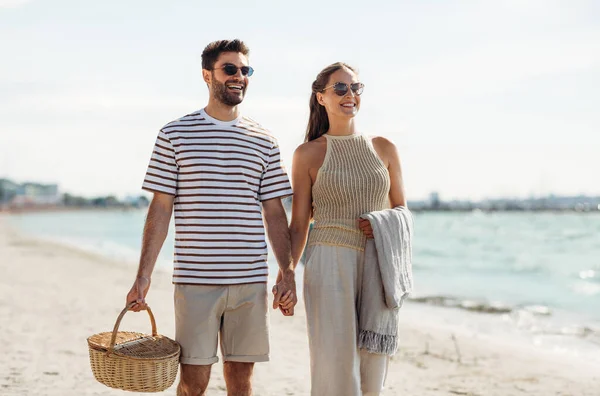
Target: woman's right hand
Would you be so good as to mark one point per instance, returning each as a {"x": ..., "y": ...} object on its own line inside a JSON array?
[{"x": 365, "y": 227}]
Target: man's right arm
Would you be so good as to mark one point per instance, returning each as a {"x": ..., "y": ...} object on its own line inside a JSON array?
[{"x": 155, "y": 232}]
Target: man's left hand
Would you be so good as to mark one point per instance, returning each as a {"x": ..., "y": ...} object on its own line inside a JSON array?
[{"x": 284, "y": 292}]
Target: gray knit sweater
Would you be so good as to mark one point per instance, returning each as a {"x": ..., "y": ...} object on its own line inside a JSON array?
[{"x": 387, "y": 279}]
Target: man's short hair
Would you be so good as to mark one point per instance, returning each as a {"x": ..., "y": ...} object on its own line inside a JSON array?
[{"x": 213, "y": 50}]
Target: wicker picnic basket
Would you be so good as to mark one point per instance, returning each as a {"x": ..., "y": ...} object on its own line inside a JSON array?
[{"x": 134, "y": 361}]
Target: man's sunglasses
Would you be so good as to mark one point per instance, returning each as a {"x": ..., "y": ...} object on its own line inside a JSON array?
[
  {"x": 231, "y": 70},
  {"x": 341, "y": 88}
]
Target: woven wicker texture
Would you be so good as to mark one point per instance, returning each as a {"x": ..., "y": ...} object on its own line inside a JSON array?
[{"x": 134, "y": 361}]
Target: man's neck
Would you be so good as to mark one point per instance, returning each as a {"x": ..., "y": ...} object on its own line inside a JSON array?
[{"x": 222, "y": 112}]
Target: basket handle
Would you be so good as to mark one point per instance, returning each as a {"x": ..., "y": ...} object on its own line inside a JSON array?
[{"x": 116, "y": 328}]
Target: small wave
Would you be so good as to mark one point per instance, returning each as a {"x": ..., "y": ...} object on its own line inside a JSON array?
[
  {"x": 482, "y": 306},
  {"x": 468, "y": 305},
  {"x": 430, "y": 252},
  {"x": 539, "y": 310},
  {"x": 573, "y": 331},
  {"x": 586, "y": 287},
  {"x": 589, "y": 275}
]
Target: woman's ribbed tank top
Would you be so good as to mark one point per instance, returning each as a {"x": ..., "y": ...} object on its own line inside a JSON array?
[{"x": 352, "y": 181}]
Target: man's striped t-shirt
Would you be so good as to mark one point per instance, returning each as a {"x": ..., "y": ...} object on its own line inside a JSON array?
[{"x": 219, "y": 173}]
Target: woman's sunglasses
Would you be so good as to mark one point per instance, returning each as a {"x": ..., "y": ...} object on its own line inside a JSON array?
[
  {"x": 231, "y": 70},
  {"x": 341, "y": 88}
]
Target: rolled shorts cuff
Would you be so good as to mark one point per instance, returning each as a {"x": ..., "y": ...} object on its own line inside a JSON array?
[
  {"x": 198, "y": 361},
  {"x": 246, "y": 358}
]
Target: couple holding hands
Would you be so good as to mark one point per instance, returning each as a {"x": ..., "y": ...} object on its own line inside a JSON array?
[{"x": 220, "y": 172}]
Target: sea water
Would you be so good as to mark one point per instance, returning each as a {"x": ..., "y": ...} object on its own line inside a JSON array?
[{"x": 533, "y": 274}]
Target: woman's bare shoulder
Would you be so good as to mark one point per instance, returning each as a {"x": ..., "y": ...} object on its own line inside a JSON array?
[
  {"x": 309, "y": 150},
  {"x": 382, "y": 144}
]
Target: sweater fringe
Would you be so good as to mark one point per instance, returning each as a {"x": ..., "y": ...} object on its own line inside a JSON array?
[{"x": 384, "y": 344}]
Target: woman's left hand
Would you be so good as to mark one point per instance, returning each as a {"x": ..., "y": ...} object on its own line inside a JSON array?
[{"x": 365, "y": 227}]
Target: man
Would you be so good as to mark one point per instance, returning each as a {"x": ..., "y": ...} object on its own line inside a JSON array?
[{"x": 216, "y": 168}]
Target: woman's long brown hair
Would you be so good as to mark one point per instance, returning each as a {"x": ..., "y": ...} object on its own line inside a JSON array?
[{"x": 318, "y": 121}]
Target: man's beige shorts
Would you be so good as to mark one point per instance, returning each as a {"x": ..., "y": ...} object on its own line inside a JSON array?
[{"x": 237, "y": 314}]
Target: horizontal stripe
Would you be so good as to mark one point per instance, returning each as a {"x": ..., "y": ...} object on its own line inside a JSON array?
[
  {"x": 254, "y": 129},
  {"x": 217, "y": 195},
  {"x": 274, "y": 191},
  {"x": 235, "y": 166},
  {"x": 187, "y": 209},
  {"x": 267, "y": 197},
  {"x": 185, "y": 224},
  {"x": 171, "y": 170},
  {"x": 216, "y": 150},
  {"x": 188, "y": 125},
  {"x": 222, "y": 272},
  {"x": 221, "y": 269},
  {"x": 219, "y": 241},
  {"x": 185, "y": 201},
  {"x": 215, "y": 172},
  {"x": 279, "y": 174},
  {"x": 274, "y": 184},
  {"x": 163, "y": 139},
  {"x": 154, "y": 159},
  {"x": 171, "y": 149},
  {"x": 208, "y": 277},
  {"x": 257, "y": 248},
  {"x": 159, "y": 190},
  {"x": 201, "y": 129},
  {"x": 201, "y": 263},
  {"x": 162, "y": 156},
  {"x": 206, "y": 179},
  {"x": 227, "y": 188},
  {"x": 232, "y": 225},
  {"x": 219, "y": 277},
  {"x": 219, "y": 233},
  {"x": 220, "y": 218},
  {"x": 187, "y": 139},
  {"x": 231, "y": 153},
  {"x": 229, "y": 240},
  {"x": 159, "y": 184},
  {"x": 282, "y": 181},
  {"x": 220, "y": 283},
  {"x": 208, "y": 157},
  {"x": 179, "y": 253},
  {"x": 163, "y": 177},
  {"x": 219, "y": 247},
  {"x": 266, "y": 153},
  {"x": 181, "y": 131},
  {"x": 200, "y": 227},
  {"x": 198, "y": 264}
]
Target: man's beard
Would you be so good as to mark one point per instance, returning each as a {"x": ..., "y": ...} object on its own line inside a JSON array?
[{"x": 224, "y": 96}]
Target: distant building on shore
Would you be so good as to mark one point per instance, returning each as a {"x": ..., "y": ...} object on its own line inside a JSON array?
[
  {"x": 8, "y": 190},
  {"x": 37, "y": 196},
  {"x": 580, "y": 203},
  {"x": 434, "y": 200},
  {"x": 29, "y": 194}
]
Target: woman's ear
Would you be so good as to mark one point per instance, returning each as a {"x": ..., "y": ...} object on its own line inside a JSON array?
[{"x": 320, "y": 98}]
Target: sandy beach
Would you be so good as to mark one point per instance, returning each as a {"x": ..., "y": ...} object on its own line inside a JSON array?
[{"x": 53, "y": 297}]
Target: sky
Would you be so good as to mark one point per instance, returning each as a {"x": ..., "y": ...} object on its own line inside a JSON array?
[{"x": 482, "y": 98}]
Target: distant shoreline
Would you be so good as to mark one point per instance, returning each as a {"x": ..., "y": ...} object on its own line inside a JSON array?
[
  {"x": 419, "y": 210},
  {"x": 59, "y": 209}
]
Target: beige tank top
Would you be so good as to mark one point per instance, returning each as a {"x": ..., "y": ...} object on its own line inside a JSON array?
[{"x": 352, "y": 180}]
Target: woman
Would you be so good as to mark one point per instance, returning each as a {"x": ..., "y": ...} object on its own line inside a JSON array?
[{"x": 339, "y": 174}]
